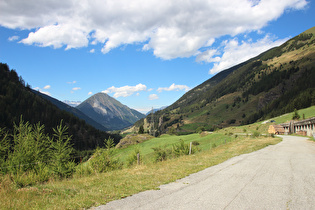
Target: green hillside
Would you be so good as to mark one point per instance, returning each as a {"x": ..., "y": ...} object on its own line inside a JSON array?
[{"x": 273, "y": 83}]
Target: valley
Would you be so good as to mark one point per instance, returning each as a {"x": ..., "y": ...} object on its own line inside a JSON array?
[{"x": 57, "y": 156}]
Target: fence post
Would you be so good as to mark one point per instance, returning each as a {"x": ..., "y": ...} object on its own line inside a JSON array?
[
  {"x": 190, "y": 148},
  {"x": 138, "y": 158}
]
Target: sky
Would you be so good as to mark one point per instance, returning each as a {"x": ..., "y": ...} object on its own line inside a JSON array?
[{"x": 145, "y": 54}]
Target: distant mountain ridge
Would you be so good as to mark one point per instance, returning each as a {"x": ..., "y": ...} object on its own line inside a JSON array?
[
  {"x": 155, "y": 110},
  {"x": 72, "y": 103},
  {"x": 70, "y": 109},
  {"x": 109, "y": 112}
]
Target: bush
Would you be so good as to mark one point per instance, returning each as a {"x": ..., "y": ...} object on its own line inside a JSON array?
[
  {"x": 256, "y": 134},
  {"x": 161, "y": 154},
  {"x": 133, "y": 157},
  {"x": 296, "y": 115},
  {"x": 200, "y": 129},
  {"x": 30, "y": 156},
  {"x": 179, "y": 149},
  {"x": 195, "y": 143},
  {"x": 103, "y": 161},
  {"x": 61, "y": 150}
]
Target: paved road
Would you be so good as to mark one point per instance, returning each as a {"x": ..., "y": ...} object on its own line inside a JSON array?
[{"x": 277, "y": 177}]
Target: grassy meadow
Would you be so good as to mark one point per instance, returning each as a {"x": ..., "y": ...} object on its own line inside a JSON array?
[{"x": 94, "y": 189}]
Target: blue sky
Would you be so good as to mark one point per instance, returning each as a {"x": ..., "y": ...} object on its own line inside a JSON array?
[{"x": 144, "y": 53}]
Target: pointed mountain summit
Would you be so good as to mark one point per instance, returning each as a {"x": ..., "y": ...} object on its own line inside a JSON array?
[{"x": 109, "y": 112}]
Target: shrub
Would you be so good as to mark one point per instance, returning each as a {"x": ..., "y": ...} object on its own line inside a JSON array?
[
  {"x": 296, "y": 115},
  {"x": 161, "y": 154},
  {"x": 195, "y": 143},
  {"x": 61, "y": 150},
  {"x": 133, "y": 157},
  {"x": 103, "y": 161},
  {"x": 256, "y": 134},
  {"x": 180, "y": 148},
  {"x": 200, "y": 129}
]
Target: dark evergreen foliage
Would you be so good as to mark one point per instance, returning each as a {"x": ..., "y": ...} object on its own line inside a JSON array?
[{"x": 17, "y": 99}]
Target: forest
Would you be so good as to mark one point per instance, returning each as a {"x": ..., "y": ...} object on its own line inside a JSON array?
[{"x": 18, "y": 101}]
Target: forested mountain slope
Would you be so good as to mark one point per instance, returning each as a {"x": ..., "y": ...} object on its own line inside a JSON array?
[
  {"x": 17, "y": 99},
  {"x": 275, "y": 82}
]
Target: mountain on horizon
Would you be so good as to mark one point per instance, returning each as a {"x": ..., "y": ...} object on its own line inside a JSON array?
[
  {"x": 72, "y": 103},
  {"x": 19, "y": 102},
  {"x": 109, "y": 112},
  {"x": 155, "y": 110},
  {"x": 273, "y": 83},
  {"x": 72, "y": 110}
]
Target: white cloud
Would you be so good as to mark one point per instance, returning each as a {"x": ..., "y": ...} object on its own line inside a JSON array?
[
  {"x": 47, "y": 87},
  {"x": 13, "y": 38},
  {"x": 174, "y": 87},
  {"x": 125, "y": 90},
  {"x": 169, "y": 28},
  {"x": 44, "y": 92},
  {"x": 76, "y": 88},
  {"x": 90, "y": 93},
  {"x": 235, "y": 52},
  {"x": 92, "y": 51},
  {"x": 73, "y": 82},
  {"x": 153, "y": 97}
]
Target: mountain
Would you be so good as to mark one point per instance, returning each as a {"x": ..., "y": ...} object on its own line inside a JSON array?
[
  {"x": 155, "y": 110},
  {"x": 71, "y": 110},
  {"x": 72, "y": 103},
  {"x": 270, "y": 84},
  {"x": 109, "y": 112},
  {"x": 18, "y": 100}
]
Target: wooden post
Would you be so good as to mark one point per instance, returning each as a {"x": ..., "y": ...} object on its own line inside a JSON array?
[
  {"x": 190, "y": 148},
  {"x": 138, "y": 158}
]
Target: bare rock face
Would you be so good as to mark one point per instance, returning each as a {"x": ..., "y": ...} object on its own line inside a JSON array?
[{"x": 109, "y": 112}]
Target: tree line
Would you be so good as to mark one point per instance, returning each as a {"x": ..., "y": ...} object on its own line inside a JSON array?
[{"x": 17, "y": 99}]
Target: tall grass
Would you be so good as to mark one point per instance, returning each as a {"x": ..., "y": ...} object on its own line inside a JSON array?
[{"x": 100, "y": 188}]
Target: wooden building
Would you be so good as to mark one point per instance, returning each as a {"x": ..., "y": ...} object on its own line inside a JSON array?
[{"x": 276, "y": 129}]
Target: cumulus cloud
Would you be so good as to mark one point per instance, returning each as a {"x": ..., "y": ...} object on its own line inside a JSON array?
[
  {"x": 169, "y": 28},
  {"x": 90, "y": 93},
  {"x": 125, "y": 90},
  {"x": 76, "y": 88},
  {"x": 153, "y": 97},
  {"x": 174, "y": 87},
  {"x": 235, "y": 52}
]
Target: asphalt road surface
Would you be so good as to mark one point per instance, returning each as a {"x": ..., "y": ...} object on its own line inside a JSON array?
[{"x": 281, "y": 176}]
